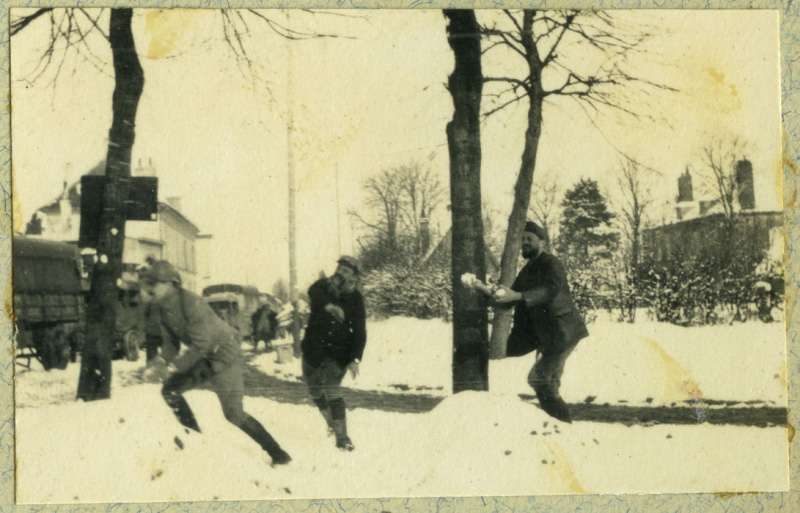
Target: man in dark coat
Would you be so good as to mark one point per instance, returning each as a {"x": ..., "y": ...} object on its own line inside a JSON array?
[
  {"x": 545, "y": 319},
  {"x": 213, "y": 357},
  {"x": 334, "y": 343}
]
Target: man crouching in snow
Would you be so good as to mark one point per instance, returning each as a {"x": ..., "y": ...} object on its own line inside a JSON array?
[
  {"x": 213, "y": 356},
  {"x": 334, "y": 343},
  {"x": 545, "y": 319}
]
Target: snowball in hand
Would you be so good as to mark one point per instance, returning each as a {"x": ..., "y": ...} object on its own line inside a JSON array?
[{"x": 468, "y": 279}]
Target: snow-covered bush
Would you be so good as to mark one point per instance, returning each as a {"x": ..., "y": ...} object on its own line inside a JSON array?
[
  {"x": 423, "y": 293},
  {"x": 699, "y": 293},
  {"x": 685, "y": 295}
]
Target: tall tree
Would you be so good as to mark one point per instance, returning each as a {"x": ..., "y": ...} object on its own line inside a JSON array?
[
  {"x": 586, "y": 244},
  {"x": 720, "y": 159},
  {"x": 585, "y": 231},
  {"x": 422, "y": 193},
  {"x": 723, "y": 157},
  {"x": 399, "y": 203},
  {"x": 95, "y": 377},
  {"x": 544, "y": 202},
  {"x": 470, "y": 319},
  {"x": 633, "y": 207},
  {"x": 71, "y": 28},
  {"x": 548, "y": 43}
]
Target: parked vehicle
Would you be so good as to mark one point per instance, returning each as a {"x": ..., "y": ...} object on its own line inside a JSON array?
[
  {"x": 47, "y": 300},
  {"x": 129, "y": 337},
  {"x": 234, "y": 304}
]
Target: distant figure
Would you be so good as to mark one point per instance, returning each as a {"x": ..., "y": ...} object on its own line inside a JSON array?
[
  {"x": 545, "y": 319},
  {"x": 265, "y": 327},
  {"x": 334, "y": 343},
  {"x": 213, "y": 357}
]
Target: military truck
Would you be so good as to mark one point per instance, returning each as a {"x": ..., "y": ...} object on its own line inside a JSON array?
[
  {"x": 234, "y": 304},
  {"x": 48, "y": 306}
]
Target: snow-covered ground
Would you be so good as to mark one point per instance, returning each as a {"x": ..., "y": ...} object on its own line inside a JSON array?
[{"x": 473, "y": 443}]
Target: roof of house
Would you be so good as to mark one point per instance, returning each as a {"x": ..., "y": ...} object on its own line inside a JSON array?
[
  {"x": 446, "y": 241},
  {"x": 74, "y": 196}
]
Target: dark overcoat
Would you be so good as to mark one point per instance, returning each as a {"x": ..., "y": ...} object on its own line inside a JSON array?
[
  {"x": 327, "y": 338},
  {"x": 546, "y": 319}
]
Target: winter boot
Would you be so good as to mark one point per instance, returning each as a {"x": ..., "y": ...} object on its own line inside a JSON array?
[
  {"x": 561, "y": 411},
  {"x": 182, "y": 411},
  {"x": 325, "y": 410},
  {"x": 280, "y": 457},
  {"x": 553, "y": 405},
  {"x": 343, "y": 441},
  {"x": 257, "y": 432}
]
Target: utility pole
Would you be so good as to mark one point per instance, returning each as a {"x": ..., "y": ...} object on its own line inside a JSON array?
[
  {"x": 338, "y": 215},
  {"x": 292, "y": 199}
]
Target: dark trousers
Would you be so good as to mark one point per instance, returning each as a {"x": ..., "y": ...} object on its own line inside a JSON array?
[
  {"x": 545, "y": 376},
  {"x": 152, "y": 343},
  {"x": 325, "y": 380},
  {"x": 228, "y": 384}
]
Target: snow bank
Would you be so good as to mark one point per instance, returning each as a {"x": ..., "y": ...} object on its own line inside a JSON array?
[
  {"x": 473, "y": 443},
  {"x": 661, "y": 364}
]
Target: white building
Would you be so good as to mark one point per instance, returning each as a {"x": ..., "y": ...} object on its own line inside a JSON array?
[{"x": 171, "y": 236}]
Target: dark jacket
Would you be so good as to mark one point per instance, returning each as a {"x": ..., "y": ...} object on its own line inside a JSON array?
[
  {"x": 547, "y": 318},
  {"x": 326, "y": 338},
  {"x": 186, "y": 317}
]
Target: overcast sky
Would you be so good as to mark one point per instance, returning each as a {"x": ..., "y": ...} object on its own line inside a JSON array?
[{"x": 361, "y": 103}]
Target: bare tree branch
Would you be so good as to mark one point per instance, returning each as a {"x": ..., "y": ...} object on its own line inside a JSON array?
[
  {"x": 18, "y": 25},
  {"x": 564, "y": 27},
  {"x": 289, "y": 33}
]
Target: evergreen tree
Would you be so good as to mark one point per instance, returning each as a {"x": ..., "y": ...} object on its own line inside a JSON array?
[
  {"x": 585, "y": 234},
  {"x": 586, "y": 244}
]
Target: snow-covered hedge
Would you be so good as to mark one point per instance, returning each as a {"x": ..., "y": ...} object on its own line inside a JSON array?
[
  {"x": 422, "y": 293},
  {"x": 697, "y": 293}
]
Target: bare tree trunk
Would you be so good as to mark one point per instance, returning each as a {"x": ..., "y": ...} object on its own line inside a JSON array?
[
  {"x": 501, "y": 326},
  {"x": 95, "y": 376},
  {"x": 470, "y": 320}
]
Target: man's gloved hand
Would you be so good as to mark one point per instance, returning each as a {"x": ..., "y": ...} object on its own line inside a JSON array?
[
  {"x": 157, "y": 370},
  {"x": 353, "y": 368},
  {"x": 336, "y": 311}
]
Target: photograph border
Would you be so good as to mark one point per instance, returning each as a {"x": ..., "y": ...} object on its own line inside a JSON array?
[{"x": 744, "y": 502}]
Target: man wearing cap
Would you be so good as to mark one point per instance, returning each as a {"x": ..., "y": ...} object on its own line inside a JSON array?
[
  {"x": 213, "y": 357},
  {"x": 154, "y": 331},
  {"x": 334, "y": 343},
  {"x": 545, "y": 319}
]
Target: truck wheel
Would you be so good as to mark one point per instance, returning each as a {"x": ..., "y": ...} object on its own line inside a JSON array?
[{"x": 132, "y": 342}]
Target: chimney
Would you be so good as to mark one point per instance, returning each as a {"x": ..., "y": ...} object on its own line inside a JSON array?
[
  {"x": 65, "y": 209},
  {"x": 175, "y": 202},
  {"x": 146, "y": 170},
  {"x": 685, "y": 192},
  {"x": 744, "y": 185}
]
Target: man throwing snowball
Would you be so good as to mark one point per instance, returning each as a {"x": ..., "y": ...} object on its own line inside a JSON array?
[
  {"x": 545, "y": 319},
  {"x": 334, "y": 343},
  {"x": 213, "y": 357}
]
